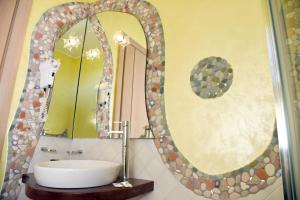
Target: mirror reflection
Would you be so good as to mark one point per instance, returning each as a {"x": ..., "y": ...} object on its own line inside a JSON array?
[
  {"x": 72, "y": 109},
  {"x": 61, "y": 110},
  {"x": 129, "y": 98}
]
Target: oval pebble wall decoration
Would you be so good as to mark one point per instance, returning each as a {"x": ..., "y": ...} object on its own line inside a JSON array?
[{"x": 211, "y": 77}]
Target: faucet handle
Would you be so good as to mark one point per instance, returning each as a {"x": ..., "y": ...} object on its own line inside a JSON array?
[
  {"x": 47, "y": 149},
  {"x": 123, "y": 128},
  {"x": 74, "y": 152},
  {"x": 112, "y": 134},
  {"x": 115, "y": 132}
]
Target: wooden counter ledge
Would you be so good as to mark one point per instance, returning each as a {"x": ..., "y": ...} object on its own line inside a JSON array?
[{"x": 106, "y": 192}]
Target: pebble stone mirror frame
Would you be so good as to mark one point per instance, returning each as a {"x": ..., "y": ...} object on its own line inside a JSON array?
[{"x": 24, "y": 132}]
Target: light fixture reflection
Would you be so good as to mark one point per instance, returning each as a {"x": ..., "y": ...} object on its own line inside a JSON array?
[
  {"x": 121, "y": 38},
  {"x": 92, "y": 54},
  {"x": 93, "y": 120},
  {"x": 71, "y": 42}
]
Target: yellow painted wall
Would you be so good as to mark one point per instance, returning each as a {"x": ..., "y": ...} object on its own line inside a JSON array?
[
  {"x": 62, "y": 105},
  {"x": 226, "y": 133},
  {"x": 85, "y": 118},
  {"x": 232, "y": 29},
  {"x": 61, "y": 109}
]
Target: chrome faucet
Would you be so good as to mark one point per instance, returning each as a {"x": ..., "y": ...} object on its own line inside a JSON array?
[
  {"x": 79, "y": 151},
  {"x": 124, "y": 132}
]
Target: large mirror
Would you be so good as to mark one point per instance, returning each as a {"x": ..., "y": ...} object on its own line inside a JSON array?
[{"x": 75, "y": 93}]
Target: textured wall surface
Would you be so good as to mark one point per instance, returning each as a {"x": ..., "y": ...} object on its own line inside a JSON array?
[{"x": 230, "y": 131}]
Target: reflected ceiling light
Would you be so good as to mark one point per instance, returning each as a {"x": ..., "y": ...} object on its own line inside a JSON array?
[
  {"x": 93, "y": 120},
  {"x": 92, "y": 54},
  {"x": 71, "y": 42},
  {"x": 121, "y": 38}
]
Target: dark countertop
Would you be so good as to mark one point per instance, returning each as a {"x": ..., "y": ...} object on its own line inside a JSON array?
[{"x": 106, "y": 192}]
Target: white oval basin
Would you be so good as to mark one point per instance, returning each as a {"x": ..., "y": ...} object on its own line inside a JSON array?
[{"x": 76, "y": 173}]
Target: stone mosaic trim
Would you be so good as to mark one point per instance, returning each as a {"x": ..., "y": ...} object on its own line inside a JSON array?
[
  {"x": 105, "y": 87},
  {"x": 24, "y": 132},
  {"x": 239, "y": 183},
  {"x": 211, "y": 77}
]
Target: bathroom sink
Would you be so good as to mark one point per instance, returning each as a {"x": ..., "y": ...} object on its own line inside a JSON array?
[{"x": 76, "y": 173}]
